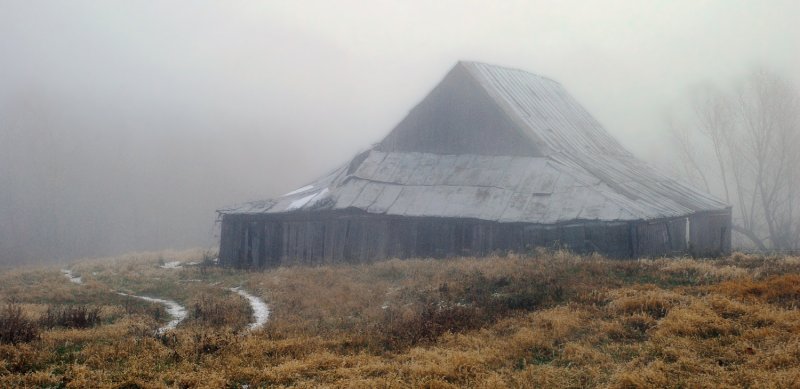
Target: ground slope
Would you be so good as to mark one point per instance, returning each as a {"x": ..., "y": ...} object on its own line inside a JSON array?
[{"x": 549, "y": 319}]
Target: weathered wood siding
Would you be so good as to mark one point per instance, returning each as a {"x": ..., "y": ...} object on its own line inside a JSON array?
[
  {"x": 334, "y": 237},
  {"x": 660, "y": 237},
  {"x": 354, "y": 237},
  {"x": 710, "y": 233}
]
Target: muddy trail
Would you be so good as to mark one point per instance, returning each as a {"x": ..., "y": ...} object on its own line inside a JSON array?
[
  {"x": 259, "y": 307},
  {"x": 178, "y": 312}
]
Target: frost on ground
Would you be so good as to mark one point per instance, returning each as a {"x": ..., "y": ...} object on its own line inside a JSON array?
[
  {"x": 72, "y": 277},
  {"x": 171, "y": 265},
  {"x": 177, "y": 311},
  {"x": 260, "y": 308}
]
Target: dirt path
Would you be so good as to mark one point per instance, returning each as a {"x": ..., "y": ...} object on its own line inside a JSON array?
[
  {"x": 177, "y": 311},
  {"x": 260, "y": 308},
  {"x": 72, "y": 277}
]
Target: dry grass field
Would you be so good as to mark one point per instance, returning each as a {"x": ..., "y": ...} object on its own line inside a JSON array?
[{"x": 550, "y": 319}]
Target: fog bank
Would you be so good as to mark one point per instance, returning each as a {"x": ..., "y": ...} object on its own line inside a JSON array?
[{"x": 124, "y": 125}]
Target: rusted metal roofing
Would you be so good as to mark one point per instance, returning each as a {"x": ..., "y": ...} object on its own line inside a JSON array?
[{"x": 582, "y": 174}]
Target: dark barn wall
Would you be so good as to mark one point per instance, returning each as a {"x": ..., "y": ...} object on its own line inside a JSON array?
[
  {"x": 710, "y": 233},
  {"x": 335, "y": 237},
  {"x": 659, "y": 237},
  {"x": 355, "y": 237}
]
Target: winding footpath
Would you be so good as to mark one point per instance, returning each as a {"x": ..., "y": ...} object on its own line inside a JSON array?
[
  {"x": 72, "y": 277},
  {"x": 260, "y": 309},
  {"x": 177, "y": 311}
]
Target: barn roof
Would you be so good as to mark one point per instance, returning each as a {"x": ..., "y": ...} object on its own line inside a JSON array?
[{"x": 496, "y": 144}]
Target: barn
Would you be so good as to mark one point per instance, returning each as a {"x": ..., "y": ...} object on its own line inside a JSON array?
[{"x": 493, "y": 159}]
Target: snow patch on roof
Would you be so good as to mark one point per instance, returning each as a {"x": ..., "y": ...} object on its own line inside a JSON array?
[
  {"x": 300, "y": 190},
  {"x": 307, "y": 200},
  {"x": 300, "y": 202}
]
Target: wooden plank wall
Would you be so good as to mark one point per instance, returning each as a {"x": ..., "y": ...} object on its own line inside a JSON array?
[
  {"x": 268, "y": 241},
  {"x": 660, "y": 237},
  {"x": 710, "y": 233}
]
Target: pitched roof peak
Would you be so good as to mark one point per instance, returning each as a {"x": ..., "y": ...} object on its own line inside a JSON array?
[
  {"x": 500, "y": 144},
  {"x": 474, "y": 65}
]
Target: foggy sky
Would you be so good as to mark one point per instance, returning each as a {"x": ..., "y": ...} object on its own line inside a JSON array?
[{"x": 124, "y": 125}]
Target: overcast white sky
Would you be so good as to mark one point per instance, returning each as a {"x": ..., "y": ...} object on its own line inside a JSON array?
[
  {"x": 344, "y": 72},
  {"x": 282, "y": 91}
]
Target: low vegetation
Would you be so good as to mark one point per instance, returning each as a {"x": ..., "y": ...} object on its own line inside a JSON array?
[
  {"x": 70, "y": 316},
  {"x": 15, "y": 326},
  {"x": 549, "y": 319}
]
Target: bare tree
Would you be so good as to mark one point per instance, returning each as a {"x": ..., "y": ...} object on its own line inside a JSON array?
[
  {"x": 751, "y": 140},
  {"x": 690, "y": 160}
]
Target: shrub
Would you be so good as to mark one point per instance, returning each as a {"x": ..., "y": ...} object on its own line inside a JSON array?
[
  {"x": 219, "y": 310},
  {"x": 15, "y": 327},
  {"x": 70, "y": 316},
  {"x": 426, "y": 323},
  {"x": 212, "y": 313}
]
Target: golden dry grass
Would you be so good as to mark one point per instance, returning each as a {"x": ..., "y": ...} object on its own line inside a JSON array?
[{"x": 548, "y": 320}]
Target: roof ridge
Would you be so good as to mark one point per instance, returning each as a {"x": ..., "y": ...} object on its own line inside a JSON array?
[
  {"x": 505, "y": 68},
  {"x": 482, "y": 79}
]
